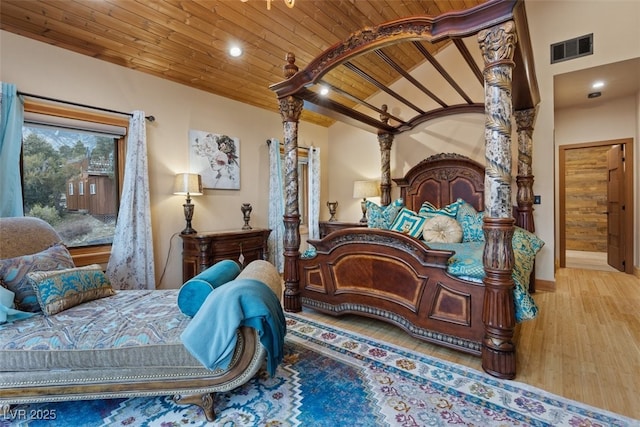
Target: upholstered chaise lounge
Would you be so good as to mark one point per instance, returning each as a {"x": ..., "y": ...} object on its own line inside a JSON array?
[{"x": 123, "y": 345}]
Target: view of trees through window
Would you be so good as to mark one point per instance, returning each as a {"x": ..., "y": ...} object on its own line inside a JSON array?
[{"x": 70, "y": 181}]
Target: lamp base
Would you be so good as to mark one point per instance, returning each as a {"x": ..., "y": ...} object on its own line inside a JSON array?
[
  {"x": 188, "y": 214},
  {"x": 363, "y": 205}
]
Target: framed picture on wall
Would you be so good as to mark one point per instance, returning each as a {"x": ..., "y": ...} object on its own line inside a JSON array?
[{"x": 216, "y": 158}]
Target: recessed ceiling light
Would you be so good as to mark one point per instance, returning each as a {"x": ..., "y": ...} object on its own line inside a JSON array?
[
  {"x": 598, "y": 85},
  {"x": 324, "y": 91},
  {"x": 235, "y": 51},
  {"x": 594, "y": 95}
]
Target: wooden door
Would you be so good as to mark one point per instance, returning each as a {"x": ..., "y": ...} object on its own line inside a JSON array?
[{"x": 616, "y": 233}]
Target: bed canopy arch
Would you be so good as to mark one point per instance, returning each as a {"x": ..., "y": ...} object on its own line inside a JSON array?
[{"x": 509, "y": 94}]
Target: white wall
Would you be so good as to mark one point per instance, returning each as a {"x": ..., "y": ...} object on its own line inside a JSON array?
[
  {"x": 46, "y": 70},
  {"x": 615, "y": 119},
  {"x": 616, "y": 38}
]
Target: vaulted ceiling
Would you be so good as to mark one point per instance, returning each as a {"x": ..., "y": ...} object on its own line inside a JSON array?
[{"x": 187, "y": 41}]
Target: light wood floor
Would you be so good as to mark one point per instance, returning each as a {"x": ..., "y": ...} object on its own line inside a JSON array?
[
  {"x": 584, "y": 345},
  {"x": 588, "y": 260}
]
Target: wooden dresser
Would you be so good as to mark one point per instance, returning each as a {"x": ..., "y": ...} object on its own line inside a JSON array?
[
  {"x": 327, "y": 227},
  {"x": 202, "y": 250}
]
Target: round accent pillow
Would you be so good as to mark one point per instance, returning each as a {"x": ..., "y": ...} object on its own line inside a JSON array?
[
  {"x": 265, "y": 272},
  {"x": 442, "y": 229}
]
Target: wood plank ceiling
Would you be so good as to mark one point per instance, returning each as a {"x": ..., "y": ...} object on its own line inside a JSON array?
[{"x": 186, "y": 41}]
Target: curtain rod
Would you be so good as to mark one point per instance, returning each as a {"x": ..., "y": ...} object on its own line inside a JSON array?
[
  {"x": 150, "y": 118},
  {"x": 299, "y": 147}
]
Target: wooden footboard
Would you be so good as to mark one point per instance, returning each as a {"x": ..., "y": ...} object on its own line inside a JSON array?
[{"x": 393, "y": 277}]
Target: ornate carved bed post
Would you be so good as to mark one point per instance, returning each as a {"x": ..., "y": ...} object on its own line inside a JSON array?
[
  {"x": 290, "y": 110},
  {"x": 524, "y": 121},
  {"x": 385, "y": 140},
  {"x": 498, "y": 350}
]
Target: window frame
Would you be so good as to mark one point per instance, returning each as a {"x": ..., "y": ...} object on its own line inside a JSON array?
[{"x": 96, "y": 254}]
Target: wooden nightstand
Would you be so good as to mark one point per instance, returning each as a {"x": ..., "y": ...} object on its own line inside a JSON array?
[
  {"x": 202, "y": 250},
  {"x": 327, "y": 227}
]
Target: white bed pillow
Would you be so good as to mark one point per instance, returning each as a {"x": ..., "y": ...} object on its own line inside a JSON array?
[{"x": 442, "y": 229}]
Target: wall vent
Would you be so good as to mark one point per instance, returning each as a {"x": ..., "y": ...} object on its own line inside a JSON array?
[{"x": 574, "y": 48}]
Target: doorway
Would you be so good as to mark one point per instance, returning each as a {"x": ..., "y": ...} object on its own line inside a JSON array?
[{"x": 596, "y": 205}]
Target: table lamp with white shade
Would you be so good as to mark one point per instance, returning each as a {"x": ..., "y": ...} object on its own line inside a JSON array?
[
  {"x": 362, "y": 190},
  {"x": 188, "y": 184}
]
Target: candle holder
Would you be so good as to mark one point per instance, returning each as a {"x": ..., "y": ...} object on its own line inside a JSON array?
[
  {"x": 246, "y": 211},
  {"x": 332, "y": 210}
]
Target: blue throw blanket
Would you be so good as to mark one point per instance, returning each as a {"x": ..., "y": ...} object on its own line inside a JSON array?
[{"x": 211, "y": 336}]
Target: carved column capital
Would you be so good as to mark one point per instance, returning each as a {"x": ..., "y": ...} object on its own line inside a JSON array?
[
  {"x": 498, "y": 43},
  {"x": 290, "y": 108},
  {"x": 525, "y": 119}
]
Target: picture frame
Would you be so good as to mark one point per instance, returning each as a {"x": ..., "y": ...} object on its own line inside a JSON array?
[{"x": 216, "y": 157}]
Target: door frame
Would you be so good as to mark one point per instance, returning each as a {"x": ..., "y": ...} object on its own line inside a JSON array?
[{"x": 629, "y": 199}]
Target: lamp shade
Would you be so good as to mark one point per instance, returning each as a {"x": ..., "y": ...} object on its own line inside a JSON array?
[
  {"x": 364, "y": 189},
  {"x": 187, "y": 183}
]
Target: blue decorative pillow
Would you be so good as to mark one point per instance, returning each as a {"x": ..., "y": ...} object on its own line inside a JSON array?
[
  {"x": 195, "y": 291},
  {"x": 220, "y": 273},
  {"x": 59, "y": 290},
  {"x": 382, "y": 216},
  {"x": 428, "y": 210},
  {"x": 192, "y": 295},
  {"x": 471, "y": 222},
  {"x": 408, "y": 222},
  {"x": 13, "y": 272}
]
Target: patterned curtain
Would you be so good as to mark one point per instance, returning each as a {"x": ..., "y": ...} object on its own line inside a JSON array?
[
  {"x": 131, "y": 264},
  {"x": 11, "y": 119},
  {"x": 276, "y": 207},
  {"x": 314, "y": 192}
]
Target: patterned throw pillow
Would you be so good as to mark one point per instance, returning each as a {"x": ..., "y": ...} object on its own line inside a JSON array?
[
  {"x": 62, "y": 289},
  {"x": 13, "y": 272},
  {"x": 408, "y": 222},
  {"x": 382, "y": 216},
  {"x": 428, "y": 210},
  {"x": 442, "y": 229},
  {"x": 471, "y": 222},
  {"x": 526, "y": 242}
]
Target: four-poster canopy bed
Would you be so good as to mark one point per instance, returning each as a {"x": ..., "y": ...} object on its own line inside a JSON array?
[{"x": 394, "y": 277}]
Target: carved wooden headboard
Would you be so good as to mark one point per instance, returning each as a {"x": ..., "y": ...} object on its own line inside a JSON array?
[{"x": 442, "y": 179}]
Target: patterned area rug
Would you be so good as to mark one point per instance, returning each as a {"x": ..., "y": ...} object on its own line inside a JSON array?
[{"x": 331, "y": 377}]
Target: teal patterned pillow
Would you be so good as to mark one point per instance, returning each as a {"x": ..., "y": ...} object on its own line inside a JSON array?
[
  {"x": 408, "y": 222},
  {"x": 471, "y": 222},
  {"x": 526, "y": 242},
  {"x": 428, "y": 210},
  {"x": 383, "y": 216},
  {"x": 13, "y": 272},
  {"x": 62, "y": 289}
]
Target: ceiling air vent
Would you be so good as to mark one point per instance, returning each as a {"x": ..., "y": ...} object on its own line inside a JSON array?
[{"x": 574, "y": 48}]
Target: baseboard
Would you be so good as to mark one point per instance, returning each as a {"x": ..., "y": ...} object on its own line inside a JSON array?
[{"x": 545, "y": 285}]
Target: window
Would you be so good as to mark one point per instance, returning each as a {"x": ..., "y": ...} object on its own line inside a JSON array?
[{"x": 65, "y": 151}]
